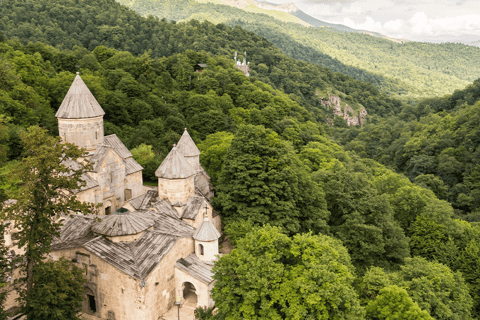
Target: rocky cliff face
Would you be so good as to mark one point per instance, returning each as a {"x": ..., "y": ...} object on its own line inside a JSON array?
[{"x": 347, "y": 114}]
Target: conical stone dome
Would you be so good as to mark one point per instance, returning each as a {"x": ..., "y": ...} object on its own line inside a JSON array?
[
  {"x": 79, "y": 103},
  {"x": 130, "y": 223},
  {"x": 175, "y": 166},
  {"x": 206, "y": 231},
  {"x": 186, "y": 145}
]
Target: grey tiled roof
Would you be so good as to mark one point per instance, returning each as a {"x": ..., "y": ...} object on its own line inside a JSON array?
[
  {"x": 137, "y": 258},
  {"x": 164, "y": 206},
  {"x": 194, "y": 205},
  {"x": 144, "y": 201},
  {"x": 186, "y": 146},
  {"x": 79, "y": 102},
  {"x": 117, "y": 145},
  {"x": 196, "y": 268},
  {"x": 124, "y": 224},
  {"x": 206, "y": 231},
  {"x": 175, "y": 166},
  {"x": 167, "y": 224},
  {"x": 132, "y": 166}
]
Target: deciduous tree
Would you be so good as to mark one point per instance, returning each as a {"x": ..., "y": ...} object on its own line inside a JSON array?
[
  {"x": 49, "y": 177},
  {"x": 271, "y": 276}
]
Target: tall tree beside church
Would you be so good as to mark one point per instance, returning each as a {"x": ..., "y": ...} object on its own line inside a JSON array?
[
  {"x": 47, "y": 191},
  {"x": 264, "y": 181},
  {"x": 272, "y": 276}
]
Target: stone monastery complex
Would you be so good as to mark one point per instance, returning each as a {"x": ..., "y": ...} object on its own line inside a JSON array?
[{"x": 147, "y": 247}]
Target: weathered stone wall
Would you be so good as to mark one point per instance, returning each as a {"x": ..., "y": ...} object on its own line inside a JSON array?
[
  {"x": 210, "y": 250},
  {"x": 85, "y": 133},
  {"x": 88, "y": 195},
  {"x": 160, "y": 284},
  {"x": 111, "y": 178},
  {"x": 114, "y": 290},
  {"x": 176, "y": 189},
  {"x": 124, "y": 296},
  {"x": 201, "y": 288},
  {"x": 134, "y": 182}
]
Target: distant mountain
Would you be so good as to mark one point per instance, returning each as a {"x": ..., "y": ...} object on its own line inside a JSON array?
[{"x": 407, "y": 70}]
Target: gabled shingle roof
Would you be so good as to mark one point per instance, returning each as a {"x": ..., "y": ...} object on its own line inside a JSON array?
[
  {"x": 79, "y": 102},
  {"x": 194, "y": 205},
  {"x": 196, "y": 268},
  {"x": 175, "y": 166},
  {"x": 186, "y": 145}
]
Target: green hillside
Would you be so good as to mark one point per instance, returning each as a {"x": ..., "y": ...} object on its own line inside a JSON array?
[
  {"x": 410, "y": 70},
  {"x": 107, "y": 23},
  {"x": 436, "y": 144},
  {"x": 342, "y": 234}
]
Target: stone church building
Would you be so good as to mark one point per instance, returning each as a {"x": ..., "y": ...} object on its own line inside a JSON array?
[{"x": 146, "y": 248}]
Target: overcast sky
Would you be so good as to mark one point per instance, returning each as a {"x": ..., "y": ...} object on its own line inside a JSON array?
[{"x": 421, "y": 20}]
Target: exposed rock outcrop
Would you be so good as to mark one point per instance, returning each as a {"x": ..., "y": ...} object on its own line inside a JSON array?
[{"x": 347, "y": 114}]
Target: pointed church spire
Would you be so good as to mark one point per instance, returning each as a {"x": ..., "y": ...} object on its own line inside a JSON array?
[
  {"x": 186, "y": 145},
  {"x": 175, "y": 166},
  {"x": 79, "y": 102}
]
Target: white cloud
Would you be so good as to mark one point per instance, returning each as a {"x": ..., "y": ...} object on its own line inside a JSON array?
[
  {"x": 420, "y": 23},
  {"x": 420, "y": 20}
]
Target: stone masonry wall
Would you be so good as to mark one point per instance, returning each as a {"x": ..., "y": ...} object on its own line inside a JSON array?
[
  {"x": 176, "y": 189},
  {"x": 210, "y": 250},
  {"x": 85, "y": 133},
  {"x": 134, "y": 182},
  {"x": 201, "y": 288},
  {"x": 115, "y": 292},
  {"x": 160, "y": 284}
]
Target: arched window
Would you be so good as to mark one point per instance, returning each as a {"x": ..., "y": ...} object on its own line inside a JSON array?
[{"x": 200, "y": 249}]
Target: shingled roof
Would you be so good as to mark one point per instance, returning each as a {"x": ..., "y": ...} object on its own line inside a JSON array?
[
  {"x": 196, "y": 268},
  {"x": 124, "y": 224},
  {"x": 79, "y": 102},
  {"x": 186, "y": 145},
  {"x": 206, "y": 231},
  {"x": 136, "y": 258},
  {"x": 175, "y": 166}
]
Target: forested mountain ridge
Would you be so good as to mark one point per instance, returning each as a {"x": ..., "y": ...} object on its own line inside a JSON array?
[
  {"x": 411, "y": 70},
  {"x": 262, "y": 142},
  {"x": 435, "y": 143},
  {"x": 91, "y": 23}
]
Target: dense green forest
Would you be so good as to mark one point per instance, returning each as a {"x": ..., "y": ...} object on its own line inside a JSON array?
[
  {"x": 409, "y": 70},
  {"x": 435, "y": 143},
  {"x": 296, "y": 204},
  {"x": 89, "y": 24}
]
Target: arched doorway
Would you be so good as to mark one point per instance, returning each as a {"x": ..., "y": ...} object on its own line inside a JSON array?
[
  {"x": 189, "y": 294},
  {"x": 90, "y": 303}
]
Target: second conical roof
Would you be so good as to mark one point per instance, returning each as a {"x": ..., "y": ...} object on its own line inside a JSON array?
[
  {"x": 206, "y": 231},
  {"x": 186, "y": 145},
  {"x": 79, "y": 102},
  {"x": 175, "y": 166}
]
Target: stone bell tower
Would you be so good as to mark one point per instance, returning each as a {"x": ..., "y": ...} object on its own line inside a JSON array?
[
  {"x": 176, "y": 178},
  {"x": 80, "y": 117},
  {"x": 206, "y": 240}
]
